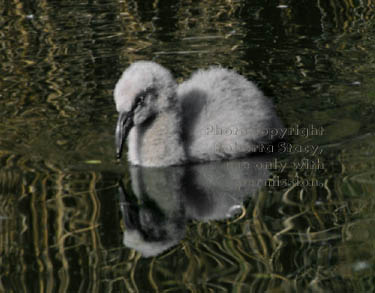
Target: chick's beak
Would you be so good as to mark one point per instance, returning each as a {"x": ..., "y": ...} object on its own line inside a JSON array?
[{"x": 124, "y": 124}]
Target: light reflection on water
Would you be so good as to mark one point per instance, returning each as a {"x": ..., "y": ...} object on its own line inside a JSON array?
[{"x": 61, "y": 214}]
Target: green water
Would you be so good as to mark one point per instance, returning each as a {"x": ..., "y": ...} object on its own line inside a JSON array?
[{"x": 62, "y": 212}]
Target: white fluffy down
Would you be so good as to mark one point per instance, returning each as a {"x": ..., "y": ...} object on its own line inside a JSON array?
[{"x": 216, "y": 114}]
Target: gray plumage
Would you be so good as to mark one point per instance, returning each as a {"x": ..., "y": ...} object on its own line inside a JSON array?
[{"x": 216, "y": 114}]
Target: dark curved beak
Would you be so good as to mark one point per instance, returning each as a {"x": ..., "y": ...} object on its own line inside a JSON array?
[{"x": 124, "y": 124}]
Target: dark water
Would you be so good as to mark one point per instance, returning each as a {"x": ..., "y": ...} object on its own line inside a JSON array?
[{"x": 67, "y": 224}]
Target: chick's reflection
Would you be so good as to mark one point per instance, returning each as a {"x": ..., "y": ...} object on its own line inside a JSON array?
[{"x": 162, "y": 200}]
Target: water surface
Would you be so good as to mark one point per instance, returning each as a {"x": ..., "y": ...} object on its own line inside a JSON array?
[{"x": 63, "y": 224}]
